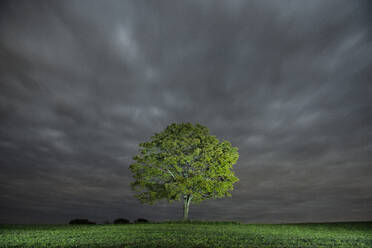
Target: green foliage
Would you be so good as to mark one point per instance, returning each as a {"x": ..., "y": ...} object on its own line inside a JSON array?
[
  {"x": 184, "y": 160},
  {"x": 189, "y": 234}
]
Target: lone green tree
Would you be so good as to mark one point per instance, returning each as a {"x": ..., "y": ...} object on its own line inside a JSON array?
[{"x": 184, "y": 162}]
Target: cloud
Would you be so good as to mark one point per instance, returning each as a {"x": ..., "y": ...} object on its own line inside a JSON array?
[{"x": 82, "y": 84}]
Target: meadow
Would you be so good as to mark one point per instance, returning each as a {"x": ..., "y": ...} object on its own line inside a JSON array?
[{"x": 193, "y": 234}]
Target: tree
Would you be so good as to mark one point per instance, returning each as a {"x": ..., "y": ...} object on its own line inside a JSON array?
[
  {"x": 121, "y": 221},
  {"x": 184, "y": 162},
  {"x": 141, "y": 221},
  {"x": 81, "y": 222}
]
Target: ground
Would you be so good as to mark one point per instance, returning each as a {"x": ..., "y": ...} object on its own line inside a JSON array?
[{"x": 197, "y": 234}]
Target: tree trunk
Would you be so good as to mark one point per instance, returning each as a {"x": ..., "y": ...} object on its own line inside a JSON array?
[{"x": 186, "y": 206}]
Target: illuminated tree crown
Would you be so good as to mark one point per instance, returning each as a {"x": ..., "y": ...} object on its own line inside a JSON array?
[{"x": 184, "y": 162}]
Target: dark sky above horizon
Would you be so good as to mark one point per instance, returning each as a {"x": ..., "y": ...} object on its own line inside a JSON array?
[{"x": 82, "y": 83}]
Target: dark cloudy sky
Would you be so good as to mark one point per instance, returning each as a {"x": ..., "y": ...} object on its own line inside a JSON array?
[{"x": 82, "y": 83}]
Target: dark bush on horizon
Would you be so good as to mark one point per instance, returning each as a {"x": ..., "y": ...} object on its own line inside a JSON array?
[
  {"x": 81, "y": 222},
  {"x": 141, "y": 221},
  {"x": 121, "y": 221}
]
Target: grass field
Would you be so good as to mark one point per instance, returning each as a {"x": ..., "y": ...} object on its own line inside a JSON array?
[{"x": 197, "y": 234}]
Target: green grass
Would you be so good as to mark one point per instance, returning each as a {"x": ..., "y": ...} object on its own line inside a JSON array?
[{"x": 194, "y": 234}]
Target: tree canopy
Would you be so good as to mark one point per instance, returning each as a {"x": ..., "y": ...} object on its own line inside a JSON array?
[{"x": 184, "y": 162}]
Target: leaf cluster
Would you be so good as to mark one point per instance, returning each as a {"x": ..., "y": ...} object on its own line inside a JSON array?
[{"x": 184, "y": 159}]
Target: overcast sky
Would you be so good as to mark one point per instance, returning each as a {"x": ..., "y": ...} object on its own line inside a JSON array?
[{"x": 289, "y": 83}]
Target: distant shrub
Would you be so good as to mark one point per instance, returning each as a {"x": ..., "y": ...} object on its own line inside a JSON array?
[
  {"x": 106, "y": 222},
  {"x": 81, "y": 222},
  {"x": 141, "y": 221},
  {"x": 121, "y": 221}
]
